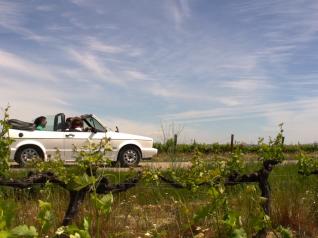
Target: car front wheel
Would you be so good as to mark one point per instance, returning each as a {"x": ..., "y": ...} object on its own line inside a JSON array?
[
  {"x": 129, "y": 157},
  {"x": 27, "y": 154}
]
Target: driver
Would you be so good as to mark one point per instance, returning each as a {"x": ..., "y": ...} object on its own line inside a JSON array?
[
  {"x": 40, "y": 123},
  {"x": 77, "y": 124}
]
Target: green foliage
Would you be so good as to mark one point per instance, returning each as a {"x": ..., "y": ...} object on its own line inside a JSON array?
[
  {"x": 199, "y": 172},
  {"x": 83, "y": 174},
  {"x": 151, "y": 175},
  {"x": 79, "y": 182},
  {"x": 306, "y": 165},
  {"x": 93, "y": 155},
  {"x": 232, "y": 220},
  {"x": 103, "y": 202},
  {"x": 259, "y": 220},
  {"x": 219, "y": 211},
  {"x": 5, "y": 142},
  {"x": 170, "y": 146},
  {"x": 217, "y": 148},
  {"x": 7, "y": 214},
  {"x": 24, "y": 231},
  {"x": 212, "y": 174},
  {"x": 45, "y": 216},
  {"x": 217, "y": 202},
  {"x": 88, "y": 158},
  {"x": 55, "y": 166},
  {"x": 234, "y": 165},
  {"x": 221, "y": 149},
  {"x": 284, "y": 232},
  {"x": 74, "y": 231},
  {"x": 238, "y": 233},
  {"x": 273, "y": 150},
  {"x": 4, "y": 234}
]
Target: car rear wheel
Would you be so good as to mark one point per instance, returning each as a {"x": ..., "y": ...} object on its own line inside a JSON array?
[
  {"x": 129, "y": 157},
  {"x": 26, "y": 154}
]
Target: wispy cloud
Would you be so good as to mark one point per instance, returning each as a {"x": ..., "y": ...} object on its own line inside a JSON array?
[
  {"x": 173, "y": 91},
  {"x": 102, "y": 47},
  {"x": 134, "y": 127},
  {"x": 29, "y": 102},
  {"x": 192, "y": 61},
  {"x": 179, "y": 10},
  {"x": 133, "y": 74},
  {"x": 99, "y": 46},
  {"x": 247, "y": 84},
  {"x": 81, "y": 3},
  {"x": 241, "y": 112},
  {"x": 17, "y": 64},
  {"x": 12, "y": 18},
  {"x": 45, "y": 8},
  {"x": 287, "y": 26},
  {"x": 155, "y": 130},
  {"x": 10, "y": 14},
  {"x": 299, "y": 126},
  {"x": 95, "y": 65}
]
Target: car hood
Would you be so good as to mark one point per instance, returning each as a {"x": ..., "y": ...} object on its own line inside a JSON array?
[{"x": 125, "y": 136}]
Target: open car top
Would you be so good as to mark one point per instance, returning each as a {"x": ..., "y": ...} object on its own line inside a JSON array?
[
  {"x": 58, "y": 123},
  {"x": 21, "y": 125}
]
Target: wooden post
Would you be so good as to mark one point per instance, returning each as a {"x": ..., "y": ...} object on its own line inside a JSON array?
[
  {"x": 175, "y": 141},
  {"x": 232, "y": 142}
]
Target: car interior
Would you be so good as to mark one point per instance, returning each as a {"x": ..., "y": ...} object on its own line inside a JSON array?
[{"x": 59, "y": 123}]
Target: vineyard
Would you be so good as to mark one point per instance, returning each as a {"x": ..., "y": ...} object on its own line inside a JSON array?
[
  {"x": 226, "y": 148},
  {"x": 222, "y": 196}
]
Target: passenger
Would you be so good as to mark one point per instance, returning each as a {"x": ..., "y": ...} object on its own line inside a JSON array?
[
  {"x": 77, "y": 124},
  {"x": 68, "y": 123},
  {"x": 40, "y": 123}
]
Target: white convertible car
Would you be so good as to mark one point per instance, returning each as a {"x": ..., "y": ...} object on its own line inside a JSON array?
[{"x": 127, "y": 149}]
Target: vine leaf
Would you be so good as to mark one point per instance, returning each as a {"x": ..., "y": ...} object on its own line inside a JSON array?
[
  {"x": 80, "y": 182},
  {"x": 45, "y": 215},
  {"x": 103, "y": 203},
  {"x": 24, "y": 231},
  {"x": 238, "y": 233}
]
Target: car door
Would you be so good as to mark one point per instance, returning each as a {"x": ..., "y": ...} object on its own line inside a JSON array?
[
  {"x": 50, "y": 138},
  {"x": 76, "y": 140}
]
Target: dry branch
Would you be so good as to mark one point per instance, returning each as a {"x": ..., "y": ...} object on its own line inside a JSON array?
[{"x": 76, "y": 197}]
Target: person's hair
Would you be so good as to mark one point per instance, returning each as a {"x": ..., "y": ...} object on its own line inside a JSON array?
[
  {"x": 68, "y": 123},
  {"x": 76, "y": 122},
  {"x": 39, "y": 121}
]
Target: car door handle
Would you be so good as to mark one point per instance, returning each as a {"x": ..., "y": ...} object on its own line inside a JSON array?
[{"x": 69, "y": 135}]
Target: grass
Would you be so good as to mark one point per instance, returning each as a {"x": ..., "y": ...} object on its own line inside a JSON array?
[
  {"x": 294, "y": 201},
  {"x": 161, "y": 211}
]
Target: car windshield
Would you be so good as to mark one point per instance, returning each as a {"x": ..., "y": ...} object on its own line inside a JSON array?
[{"x": 94, "y": 123}]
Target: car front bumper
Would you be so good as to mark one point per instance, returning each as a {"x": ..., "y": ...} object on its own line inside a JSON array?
[{"x": 149, "y": 153}]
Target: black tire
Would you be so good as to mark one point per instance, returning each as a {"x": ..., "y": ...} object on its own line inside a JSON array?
[
  {"x": 129, "y": 156},
  {"x": 28, "y": 153}
]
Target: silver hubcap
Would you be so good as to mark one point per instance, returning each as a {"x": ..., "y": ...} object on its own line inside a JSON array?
[
  {"x": 130, "y": 157},
  {"x": 29, "y": 154}
]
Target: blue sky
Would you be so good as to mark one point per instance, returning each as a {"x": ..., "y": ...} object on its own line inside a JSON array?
[{"x": 210, "y": 67}]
